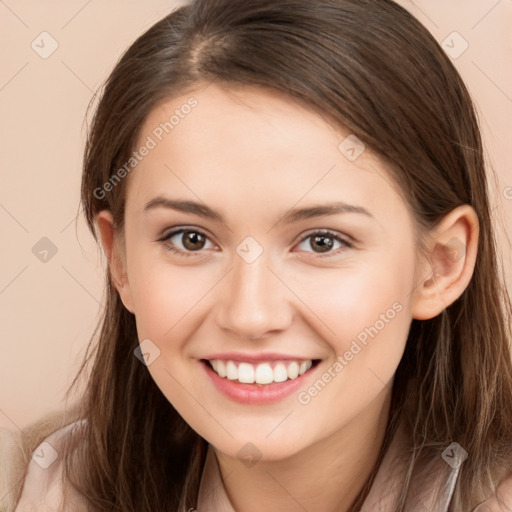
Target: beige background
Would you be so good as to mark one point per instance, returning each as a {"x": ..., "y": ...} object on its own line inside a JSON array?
[{"x": 49, "y": 309}]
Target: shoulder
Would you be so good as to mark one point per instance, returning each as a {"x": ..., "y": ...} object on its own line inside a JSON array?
[
  {"x": 31, "y": 477},
  {"x": 501, "y": 501},
  {"x": 12, "y": 467}
]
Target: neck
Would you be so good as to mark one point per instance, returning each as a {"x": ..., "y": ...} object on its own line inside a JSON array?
[{"x": 327, "y": 476}]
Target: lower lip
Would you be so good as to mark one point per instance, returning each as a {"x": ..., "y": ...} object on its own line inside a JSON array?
[{"x": 256, "y": 393}]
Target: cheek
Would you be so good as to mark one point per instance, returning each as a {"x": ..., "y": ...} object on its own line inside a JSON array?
[
  {"x": 370, "y": 323},
  {"x": 167, "y": 302},
  {"x": 346, "y": 302},
  {"x": 378, "y": 319},
  {"x": 365, "y": 315},
  {"x": 164, "y": 294}
]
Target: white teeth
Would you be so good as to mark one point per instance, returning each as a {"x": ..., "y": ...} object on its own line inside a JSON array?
[
  {"x": 280, "y": 373},
  {"x": 262, "y": 373},
  {"x": 231, "y": 371},
  {"x": 293, "y": 370},
  {"x": 304, "y": 366},
  {"x": 221, "y": 368},
  {"x": 246, "y": 373}
]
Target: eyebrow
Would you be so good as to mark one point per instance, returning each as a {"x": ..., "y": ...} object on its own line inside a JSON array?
[{"x": 293, "y": 215}]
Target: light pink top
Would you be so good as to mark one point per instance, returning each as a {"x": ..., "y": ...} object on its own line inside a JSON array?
[{"x": 42, "y": 489}]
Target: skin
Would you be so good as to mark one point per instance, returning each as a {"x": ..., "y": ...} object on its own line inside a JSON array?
[{"x": 253, "y": 154}]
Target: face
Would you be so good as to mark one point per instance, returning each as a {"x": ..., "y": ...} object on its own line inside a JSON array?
[{"x": 271, "y": 280}]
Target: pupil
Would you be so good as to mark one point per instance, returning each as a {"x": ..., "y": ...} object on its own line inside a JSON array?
[
  {"x": 324, "y": 243},
  {"x": 320, "y": 240},
  {"x": 192, "y": 238}
]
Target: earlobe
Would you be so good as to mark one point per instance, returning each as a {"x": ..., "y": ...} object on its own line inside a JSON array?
[
  {"x": 452, "y": 257},
  {"x": 113, "y": 253}
]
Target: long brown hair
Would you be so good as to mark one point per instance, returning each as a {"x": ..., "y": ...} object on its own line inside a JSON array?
[{"x": 374, "y": 69}]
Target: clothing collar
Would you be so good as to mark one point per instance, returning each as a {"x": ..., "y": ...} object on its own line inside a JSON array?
[{"x": 433, "y": 486}]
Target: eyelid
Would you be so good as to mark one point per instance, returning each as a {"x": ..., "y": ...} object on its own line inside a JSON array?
[
  {"x": 347, "y": 241},
  {"x": 179, "y": 230}
]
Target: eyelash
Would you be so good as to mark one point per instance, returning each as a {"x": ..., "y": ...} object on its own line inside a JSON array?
[{"x": 325, "y": 232}]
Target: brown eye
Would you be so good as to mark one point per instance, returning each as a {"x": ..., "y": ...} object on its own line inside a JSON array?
[
  {"x": 323, "y": 242},
  {"x": 192, "y": 240},
  {"x": 185, "y": 241}
]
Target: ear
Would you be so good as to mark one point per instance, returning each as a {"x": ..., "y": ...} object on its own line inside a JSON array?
[
  {"x": 451, "y": 261},
  {"x": 115, "y": 256}
]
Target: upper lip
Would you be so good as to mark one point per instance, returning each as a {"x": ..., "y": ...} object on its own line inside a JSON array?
[{"x": 270, "y": 356}]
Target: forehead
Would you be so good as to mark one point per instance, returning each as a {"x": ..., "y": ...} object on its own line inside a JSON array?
[
  {"x": 250, "y": 139},
  {"x": 242, "y": 119}
]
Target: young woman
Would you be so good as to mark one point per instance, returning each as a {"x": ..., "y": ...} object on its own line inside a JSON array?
[{"x": 303, "y": 309}]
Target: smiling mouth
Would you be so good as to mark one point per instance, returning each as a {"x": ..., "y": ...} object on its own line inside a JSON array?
[{"x": 262, "y": 373}]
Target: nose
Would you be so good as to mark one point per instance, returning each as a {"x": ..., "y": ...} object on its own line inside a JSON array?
[{"x": 254, "y": 302}]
